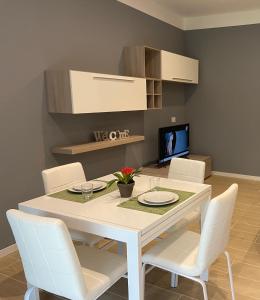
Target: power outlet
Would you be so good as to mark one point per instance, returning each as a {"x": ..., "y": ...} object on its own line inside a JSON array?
[{"x": 173, "y": 119}]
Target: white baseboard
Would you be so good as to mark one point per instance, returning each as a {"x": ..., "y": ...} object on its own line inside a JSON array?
[
  {"x": 240, "y": 176},
  {"x": 8, "y": 250}
]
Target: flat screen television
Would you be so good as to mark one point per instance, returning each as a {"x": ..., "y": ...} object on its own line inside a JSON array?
[{"x": 173, "y": 142}]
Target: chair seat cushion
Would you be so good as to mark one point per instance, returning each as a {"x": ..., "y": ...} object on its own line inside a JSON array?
[
  {"x": 100, "y": 268},
  {"x": 90, "y": 239},
  {"x": 177, "y": 254}
]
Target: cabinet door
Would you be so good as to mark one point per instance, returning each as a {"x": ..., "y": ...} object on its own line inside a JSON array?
[
  {"x": 175, "y": 67},
  {"x": 94, "y": 92}
]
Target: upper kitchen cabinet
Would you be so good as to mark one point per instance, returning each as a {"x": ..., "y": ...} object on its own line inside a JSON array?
[
  {"x": 175, "y": 67},
  {"x": 77, "y": 92}
]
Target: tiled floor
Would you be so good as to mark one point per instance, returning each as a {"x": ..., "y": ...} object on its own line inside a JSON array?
[{"x": 244, "y": 248}]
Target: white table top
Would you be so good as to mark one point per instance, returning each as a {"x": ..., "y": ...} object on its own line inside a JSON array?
[{"x": 104, "y": 209}]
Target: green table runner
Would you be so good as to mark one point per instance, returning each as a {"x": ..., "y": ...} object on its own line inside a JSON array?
[
  {"x": 66, "y": 195},
  {"x": 159, "y": 210}
]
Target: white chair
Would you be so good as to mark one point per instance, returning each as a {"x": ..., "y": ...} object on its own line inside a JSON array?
[
  {"x": 51, "y": 263},
  {"x": 190, "y": 254},
  {"x": 187, "y": 170},
  {"x": 60, "y": 178}
]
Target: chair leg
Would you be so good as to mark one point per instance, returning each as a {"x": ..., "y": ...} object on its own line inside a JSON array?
[
  {"x": 230, "y": 275},
  {"x": 202, "y": 283},
  {"x": 30, "y": 291},
  {"x": 205, "y": 294},
  {"x": 174, "y": 280}
]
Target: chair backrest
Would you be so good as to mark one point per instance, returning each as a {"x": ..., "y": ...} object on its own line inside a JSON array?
[
  {"x": 62, "y": 177},
  {"x": 216, "y": 227},
  {"x": 49, "y": 258},
  {"x": 187, "y": 169}
]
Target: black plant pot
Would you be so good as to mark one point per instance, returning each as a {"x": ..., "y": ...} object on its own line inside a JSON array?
[{"x": 126, "y": 190}]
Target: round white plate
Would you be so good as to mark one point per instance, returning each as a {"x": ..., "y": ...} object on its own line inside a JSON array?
[
  {"x": 97, "y": 186},
  {"x": 157, "y": 198}
]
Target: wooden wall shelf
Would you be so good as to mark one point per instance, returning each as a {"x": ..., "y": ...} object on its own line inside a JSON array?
[{"x": 94, "y": 146}]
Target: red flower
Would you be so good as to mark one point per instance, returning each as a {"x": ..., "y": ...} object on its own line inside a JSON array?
[{"x": 127, "y": 170}]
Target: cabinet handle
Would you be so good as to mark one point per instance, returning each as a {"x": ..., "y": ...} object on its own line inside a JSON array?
[
  {"x": 182, "y": 79},
  {"x": 111, "y": 78}
]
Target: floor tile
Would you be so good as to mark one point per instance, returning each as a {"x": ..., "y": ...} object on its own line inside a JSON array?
[
  {"x": 247, "y": 271},
  {"x": 153, "y": 292},
  {"x": 111, "y": 296},
  {"x": 11, "y": 289},
  {"x": 15, "y": 270},
  {"x": 8, "y": 260}
]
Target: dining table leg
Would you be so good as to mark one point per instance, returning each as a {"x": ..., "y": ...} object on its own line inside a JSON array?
[{"x": 134, "y": 265}]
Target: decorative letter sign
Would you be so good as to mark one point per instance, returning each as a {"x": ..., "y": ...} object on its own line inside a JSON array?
[{"x": 111, "y": 135}]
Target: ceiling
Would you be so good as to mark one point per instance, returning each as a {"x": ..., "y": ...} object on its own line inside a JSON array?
[
  {"x": 200, "y": 14},
  {"x": 192, "y": 8}
]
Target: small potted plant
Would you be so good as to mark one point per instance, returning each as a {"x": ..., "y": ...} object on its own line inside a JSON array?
[{"x": 125, "y": 181}]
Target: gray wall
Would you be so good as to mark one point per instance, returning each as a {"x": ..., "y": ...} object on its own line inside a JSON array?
[
  {"x": 224, "y": 108},
  {"x": 82, "y": 34}
]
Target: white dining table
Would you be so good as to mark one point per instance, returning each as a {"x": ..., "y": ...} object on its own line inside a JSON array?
[{"x": 103, "y": 217}]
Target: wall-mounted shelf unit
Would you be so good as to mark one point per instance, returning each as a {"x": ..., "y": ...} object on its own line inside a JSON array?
[
  {"x": 154, "y": 93},
  {"x": 157, "y": 65},
  {"x": 77, "y": 92},
  {"x": 94, "y": 146}
]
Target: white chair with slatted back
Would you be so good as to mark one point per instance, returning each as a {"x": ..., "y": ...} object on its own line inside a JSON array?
[
  {"x": 187, "y": 170},
  {"x": 60, "y": 178},
  {"x": 190, "y": 254},
  {"x": 51, "y": 263}
]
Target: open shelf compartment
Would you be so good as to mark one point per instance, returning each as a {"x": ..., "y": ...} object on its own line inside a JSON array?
[
  {"x": 149, "y": 87},
  {"x": 152, "y": 63},
  {"x": 157, "y": 87}
]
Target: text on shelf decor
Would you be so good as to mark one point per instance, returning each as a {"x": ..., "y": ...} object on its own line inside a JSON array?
[{"x": 111, "y": 135}]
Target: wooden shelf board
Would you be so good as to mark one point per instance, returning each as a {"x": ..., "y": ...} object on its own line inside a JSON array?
[
  {"x": 151, "y": 48},
  {"x": 153, "y": 78},
  {"x": 94, "y": 146}
]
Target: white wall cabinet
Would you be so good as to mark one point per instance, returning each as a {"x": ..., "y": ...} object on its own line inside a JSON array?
[
  {"x": 175, "y": 67},
  {"x": 79, "y": 92}
]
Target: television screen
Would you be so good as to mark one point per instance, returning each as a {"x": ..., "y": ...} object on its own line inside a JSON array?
[{"x": 173, "y": 142}]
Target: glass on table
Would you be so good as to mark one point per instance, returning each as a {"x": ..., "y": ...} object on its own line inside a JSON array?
[
  {"x": 87, "y": 190},
  {"x": 154, "y": 183}
]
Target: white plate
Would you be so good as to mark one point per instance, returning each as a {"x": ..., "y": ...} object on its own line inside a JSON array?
[
  {"x": 97, "y": 186},
  {"x": 158, "y": 198}
]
